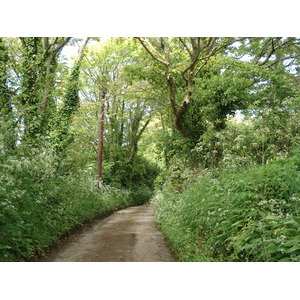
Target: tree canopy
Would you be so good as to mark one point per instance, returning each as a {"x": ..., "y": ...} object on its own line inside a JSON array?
[{"x": 152, "y": 113}]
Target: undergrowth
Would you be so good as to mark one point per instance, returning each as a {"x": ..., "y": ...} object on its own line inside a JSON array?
[
  {"x": 240, "y": 215},
  {"x": 37, "y": 206}
]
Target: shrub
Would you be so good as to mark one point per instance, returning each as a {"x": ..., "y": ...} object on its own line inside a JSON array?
[
  {"x": 37, "y": 206},
  {"x": 249, "y": 215},
  {"x": 270, "y": 135},
  {"x": 139, "y": 172}
]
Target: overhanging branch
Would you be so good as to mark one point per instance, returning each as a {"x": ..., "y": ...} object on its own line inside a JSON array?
[{"x": 143, "y": 42}]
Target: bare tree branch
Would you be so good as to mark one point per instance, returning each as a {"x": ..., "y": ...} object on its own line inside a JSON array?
[
  {"x": 272, "y": 46},
  {"x": 283, "y": 59},
  {"x": 159, "y": 59},
  {"x": 213, "y": 51},
  {"x": 185, "y": 46},
  {"x": 62, "y": 44},
  {"x": 81, "y": 50}
]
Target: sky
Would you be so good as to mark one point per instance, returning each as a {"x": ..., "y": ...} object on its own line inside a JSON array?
[
  {"x": 70, "y": 51},
  {"x": 145, "y": 18}
]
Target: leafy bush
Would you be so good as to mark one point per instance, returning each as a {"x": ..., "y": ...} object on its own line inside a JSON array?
[
  {"x": 37, "y": 206},
  {"x": 141, "y": 194},
  {"x": 139, "y": 174},
  {"x": 249, "y": 215},
  {"x": 271, "y": 135}
]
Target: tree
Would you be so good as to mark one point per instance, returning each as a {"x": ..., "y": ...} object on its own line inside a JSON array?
[
  {"x": 127, "y": 107},
  {"x": 101, "y": 132},
  {"x": 7, "y": 122},
  {"x": 195, "y": 55},
  {"x": 107, "y": 70},
  {"x": 60, "y": 127},
  {"x": 38, "y": 72},
  {"x": 209, "y": 79}
]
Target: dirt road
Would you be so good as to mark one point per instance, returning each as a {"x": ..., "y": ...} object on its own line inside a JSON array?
[{"x": 129, "y": 235}]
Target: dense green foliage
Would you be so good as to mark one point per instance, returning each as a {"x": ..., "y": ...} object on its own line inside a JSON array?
[
  {"x": 38, "y": 207},
  {"x": 246, "y": 215},
  {"x": 210, "y": 123},
  {"x": 244, "y": 205},
  {"x": 48, "y": 184}
]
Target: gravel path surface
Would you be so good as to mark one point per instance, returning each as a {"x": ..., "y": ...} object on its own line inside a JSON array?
[{"x": 129, "y": 235}]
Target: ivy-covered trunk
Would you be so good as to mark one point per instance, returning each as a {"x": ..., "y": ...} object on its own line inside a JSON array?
[
  {"x": 38, "y": 73},
  {"x": 7, "y": 122},
  {"x": 60, "y": 128},
  {"x": 31, "y": 87}
]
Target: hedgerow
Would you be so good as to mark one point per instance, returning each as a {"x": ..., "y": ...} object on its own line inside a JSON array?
[
  {"x": 243, "y": 215},
  {"x": 38, "y": 206}
]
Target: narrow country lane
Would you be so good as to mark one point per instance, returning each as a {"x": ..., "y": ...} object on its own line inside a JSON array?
[{"x": 129, "y": 235}]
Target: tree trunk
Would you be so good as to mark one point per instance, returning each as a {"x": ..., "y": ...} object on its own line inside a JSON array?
[
  {"x": 101, "y": 131},
  {"x": 7, "y": 122},
  {"x": 71, "y": 102},
  {"x": 179, "y": 111},
  {"x": 134, "y": 141}
]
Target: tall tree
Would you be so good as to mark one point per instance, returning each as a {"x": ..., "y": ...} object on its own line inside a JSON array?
[
  {"x": 127, "y": 109},
  {"x": 203, "y": 75},
  {"x": 60, "y": 127},
  {"x": 101, "y": 133},
  {"x": 38, "y": 72},
  {"x": 7, "y": 122},
  {"x": 197, "y": 53}
]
